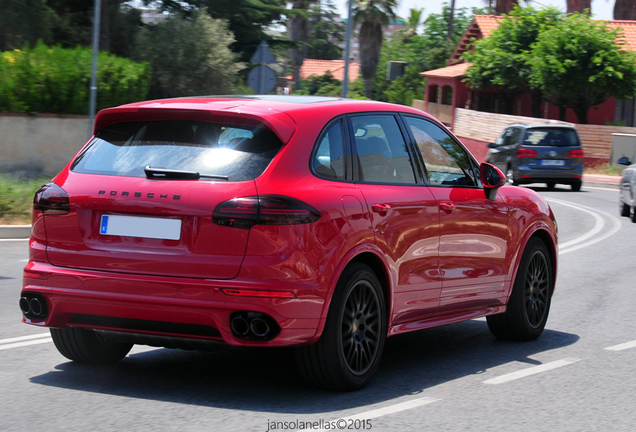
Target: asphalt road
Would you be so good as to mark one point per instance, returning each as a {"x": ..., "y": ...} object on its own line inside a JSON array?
[{"x": 579, "y": 376}]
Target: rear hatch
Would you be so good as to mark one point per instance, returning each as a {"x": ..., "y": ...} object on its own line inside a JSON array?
[
  {"x": 553, "y": 148},
  {"x": 142, "y": 195}
]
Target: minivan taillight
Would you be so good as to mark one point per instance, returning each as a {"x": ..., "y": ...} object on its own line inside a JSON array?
[
  {"x": 264, "y": 210},
  {"x": 524, "y": 152},
  {"x": 578, "y": 153},
  {"x": 51, "y": 200}
]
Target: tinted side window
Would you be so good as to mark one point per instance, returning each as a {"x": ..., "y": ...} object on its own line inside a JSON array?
[
  {"x": 445, "y": 160},
  {"x": 381, "y": 149},
  {"x": 329, "y": 160},
  {"x": 509, "y": 136}
]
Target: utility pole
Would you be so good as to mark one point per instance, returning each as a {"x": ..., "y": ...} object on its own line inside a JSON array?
[
  {"x": 93, "y": 90},
  {"x": 345, "y": 81},
  {"x": 451, "y": 19}
]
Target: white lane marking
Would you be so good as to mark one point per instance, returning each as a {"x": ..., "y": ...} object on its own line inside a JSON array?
[
  {"x": 591, "y": 237},
  {"x": 531, "y": 371},
  {"x": 623, "y": 346},
  {"x": 14, "y": 240},
  {"x": 23, "y": 341},
  {"x": 381, "y": 412}
]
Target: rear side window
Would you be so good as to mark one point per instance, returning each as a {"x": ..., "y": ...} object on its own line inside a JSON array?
[
  {"x": 125, "y": 149},
  {"x": 329, "y": 160},
  {"x": 551, "y": 137},
  {"x": 382, "y": 151}
]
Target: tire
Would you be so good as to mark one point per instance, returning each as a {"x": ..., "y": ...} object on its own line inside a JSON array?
[
  {"x": 347, "y": 355},
  {"x": 86, "y": 346},
  {"x": 529, "y": 303},
  {"x": 624, "y": 209},
  {"x": 576, "y": 186},
  {"x": 632, "y": 213}
]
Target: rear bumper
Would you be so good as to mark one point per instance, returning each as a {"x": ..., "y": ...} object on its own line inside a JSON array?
[
  {"x": 170, "y": 307},
  {"x": 527, "y": 174}
]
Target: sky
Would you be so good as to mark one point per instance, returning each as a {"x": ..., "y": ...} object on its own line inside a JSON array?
[{"x": 601, "y": 9}]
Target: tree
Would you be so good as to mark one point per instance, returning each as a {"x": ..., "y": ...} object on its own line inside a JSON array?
[
  {"x": 189, "y": 56},
  {"x": 505, "y": 6},
  {"x": 324, "y": 30},
  {"x": 373, "y": 14},
  {"x": 625, "y": 10},
  {"x": 413, "y": 22},
  {"x": 581, "y": 63},
  {"x": 503, "y": 58},
  {"x": 298, "y": 31},
  {"x": 438, "y": 46},
  {"x": 579, "y": 6},
  {"x": 24, "y": 23},
  {"x": 248, "y": 19}
]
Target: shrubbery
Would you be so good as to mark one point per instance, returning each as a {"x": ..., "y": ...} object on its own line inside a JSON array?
[{"x": 46, "y": 79}]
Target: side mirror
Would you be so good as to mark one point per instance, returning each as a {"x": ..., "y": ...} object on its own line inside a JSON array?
[
  {"x": 624, "y": 161},
  {"x": 492, "y": 145},
  {"x": 492, "y": 179}
]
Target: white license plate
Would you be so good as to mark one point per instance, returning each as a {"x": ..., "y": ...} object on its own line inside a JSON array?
[
  {"x": 143, "y": 227},
  {"x": 553, "y": 162}
]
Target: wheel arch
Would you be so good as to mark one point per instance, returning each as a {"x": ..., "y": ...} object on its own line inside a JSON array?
[
  {"x": 373, "y": 258},
  {"x": 550, "y": 243}
]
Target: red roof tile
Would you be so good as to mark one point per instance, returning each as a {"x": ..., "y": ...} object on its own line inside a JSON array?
[
  {"x": 312, "y": 67},
  {"x": 628, "y": 30},
  {"x": 454, "y": 71}
]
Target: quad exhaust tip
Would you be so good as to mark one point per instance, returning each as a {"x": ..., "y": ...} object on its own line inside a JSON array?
[
  {"x": 34, "y": 306},
  {"x": 253, "y": 326}
]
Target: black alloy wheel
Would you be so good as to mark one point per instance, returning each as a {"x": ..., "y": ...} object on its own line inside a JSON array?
[
  {"x": 347, "y": 355},
  {"x": 529, "y": 304},
  {"x": 361, "y": 328},
  {"x": 537, "y": 289}
]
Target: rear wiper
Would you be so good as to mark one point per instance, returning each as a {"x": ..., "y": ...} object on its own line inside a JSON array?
[{"x": 170, "y": 174}]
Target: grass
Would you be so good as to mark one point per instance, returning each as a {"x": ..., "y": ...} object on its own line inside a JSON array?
[{"x": 16, "y": 198}]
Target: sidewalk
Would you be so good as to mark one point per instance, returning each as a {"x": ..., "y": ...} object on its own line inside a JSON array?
[{"x": 589, "y": 180}]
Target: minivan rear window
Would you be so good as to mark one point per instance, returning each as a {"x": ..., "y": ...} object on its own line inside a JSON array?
[
  {"x": 551, "y": 137},
  {"x": 237, "y": 152}
]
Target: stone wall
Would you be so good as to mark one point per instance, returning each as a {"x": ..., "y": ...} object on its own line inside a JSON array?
[{"x": 40, "y": 145}]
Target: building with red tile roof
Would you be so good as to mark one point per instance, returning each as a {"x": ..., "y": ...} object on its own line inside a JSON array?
[{"x": 445, "y": 89}]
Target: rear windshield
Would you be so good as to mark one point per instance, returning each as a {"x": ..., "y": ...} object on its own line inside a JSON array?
[
  {"x": 551, "y": 137},
  {"x": 125, "y": 149}
]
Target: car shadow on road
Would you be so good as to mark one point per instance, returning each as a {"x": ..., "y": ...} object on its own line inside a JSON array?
[{"x": 266, "y": 379}]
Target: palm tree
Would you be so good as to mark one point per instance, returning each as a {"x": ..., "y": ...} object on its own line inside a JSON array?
[
  {"x": 413, "y": 22},
  {"x": 578, "y": 6},
  {"x": 625, "y": 10},
  {"x": 505, "y": 6},
  {"x": 373, "y": 14},
  {"x": 299, "y": 32}
]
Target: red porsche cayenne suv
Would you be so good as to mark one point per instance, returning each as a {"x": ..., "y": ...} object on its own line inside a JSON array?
[{"x": 320, "y": 223}]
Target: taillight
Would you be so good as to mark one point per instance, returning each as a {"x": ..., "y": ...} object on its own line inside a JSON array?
[
  {"x": 51, "y": 200},
  {"x": 576, "y": 153},
  {"x": 524, "y": 152},
  {"x": 265, "y": 210}
]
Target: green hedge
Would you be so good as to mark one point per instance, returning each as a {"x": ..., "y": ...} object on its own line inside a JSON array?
[{"x": 57, "y": 80}]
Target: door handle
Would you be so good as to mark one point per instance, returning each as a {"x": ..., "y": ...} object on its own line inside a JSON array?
[
  {"x": 381, "y": 208},
  {"x": 447, "y": 207}
]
